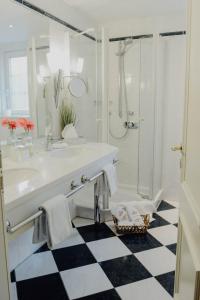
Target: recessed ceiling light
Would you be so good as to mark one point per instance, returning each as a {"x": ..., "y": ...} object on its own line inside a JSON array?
[{"x": 10, "y": 26}]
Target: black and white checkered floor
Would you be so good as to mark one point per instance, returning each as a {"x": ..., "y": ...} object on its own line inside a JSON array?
[{"x": 95, "y": 263}]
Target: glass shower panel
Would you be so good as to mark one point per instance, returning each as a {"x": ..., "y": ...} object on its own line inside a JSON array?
[
  {"x": 83, "y": 64},
  {"x": 136, "y": 145},
  {"x": 125, "y": 140},
  {"x": 146, "y": 121}
]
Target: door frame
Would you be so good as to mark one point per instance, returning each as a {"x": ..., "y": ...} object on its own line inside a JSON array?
[{"x": 4, "y": 273}]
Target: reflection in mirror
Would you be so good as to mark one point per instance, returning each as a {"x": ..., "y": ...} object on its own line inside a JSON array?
[
  {"x": 44, "y": 65},
  {"x": 40, "y": 60},
  {"x": 77, "y": 87}
]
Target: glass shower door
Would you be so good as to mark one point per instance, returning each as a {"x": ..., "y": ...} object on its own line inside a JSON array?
[{"x": 136, "y": 146}]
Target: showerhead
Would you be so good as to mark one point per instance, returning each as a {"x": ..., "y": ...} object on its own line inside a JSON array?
[
  {"x": 128, "y": 41},
  {"x": 123, "y": 46}
]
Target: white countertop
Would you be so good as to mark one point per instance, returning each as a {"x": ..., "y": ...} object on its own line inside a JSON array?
[{"x": 51, "y": 167}]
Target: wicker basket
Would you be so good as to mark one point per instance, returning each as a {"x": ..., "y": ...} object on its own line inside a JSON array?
[{"x": 133, "y": 229}]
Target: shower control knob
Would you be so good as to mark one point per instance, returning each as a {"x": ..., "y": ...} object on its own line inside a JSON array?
[
  {"x": 130, "y": 113},
  {"x": 177, "y": 148},
  {"x": 130, "y": 125},
  {"x": 84, "y": 179}
]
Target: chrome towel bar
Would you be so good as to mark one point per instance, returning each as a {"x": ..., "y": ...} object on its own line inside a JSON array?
[
  {"x": 12, "y": 229},
  {"x": 75, "y": 189}
]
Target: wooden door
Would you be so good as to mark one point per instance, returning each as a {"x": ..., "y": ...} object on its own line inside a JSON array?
[{"x": 187, "y": 283}]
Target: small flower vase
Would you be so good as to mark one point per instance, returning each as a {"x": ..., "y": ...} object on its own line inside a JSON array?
[
  {"x": 11, "y": 141},
  {"x": 28, "y": 142},
  {"x": 11, "y": 144}
]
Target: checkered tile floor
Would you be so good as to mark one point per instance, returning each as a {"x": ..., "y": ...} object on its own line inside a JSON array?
[{"x": 96, "y": 263}]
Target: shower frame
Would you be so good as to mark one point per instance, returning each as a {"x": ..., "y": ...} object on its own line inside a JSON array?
[{"x": 155, "y": 189}]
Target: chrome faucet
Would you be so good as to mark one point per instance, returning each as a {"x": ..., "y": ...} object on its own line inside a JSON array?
[{"x": 49, "y": 141}]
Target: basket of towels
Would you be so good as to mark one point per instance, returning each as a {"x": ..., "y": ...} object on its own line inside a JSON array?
[{"x": 132, "y": 217}]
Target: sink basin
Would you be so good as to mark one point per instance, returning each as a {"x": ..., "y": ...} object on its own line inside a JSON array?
[
  {"x": 16, "y": 176},
  {"x": 66, "y": 153}
]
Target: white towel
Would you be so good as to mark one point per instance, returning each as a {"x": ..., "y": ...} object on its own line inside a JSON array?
[
  {"x": 120, "y": 213},
  {"x": 125, "y": 223},
  {"x": 69, "y": 132},
  {"x": 134, "y": 215},
  {"x": 143, "y": 207},
  {"x": 106, "y": 185},
  {"x": 127, "y": 215},
  {"x": 54, "y": 225},
  {"x": 111, "y": 177}
]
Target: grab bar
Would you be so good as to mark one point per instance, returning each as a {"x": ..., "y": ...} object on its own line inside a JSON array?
[{"x": 75, "y": 189}]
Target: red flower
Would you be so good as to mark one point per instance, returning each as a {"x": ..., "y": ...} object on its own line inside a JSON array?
[
  {"x": 29, "y": 125},
  {"x": 26, "y": 124},
  {"x": 11, "y": 124},
  {"x": 4, "y": 122},
  {"x": 22, "y": 122}
]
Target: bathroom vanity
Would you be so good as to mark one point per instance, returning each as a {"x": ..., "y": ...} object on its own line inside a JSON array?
[{"x": 30, "y": 183}]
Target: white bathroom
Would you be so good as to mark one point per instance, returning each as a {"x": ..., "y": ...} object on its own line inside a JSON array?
[{"x": 92, "y": 114}]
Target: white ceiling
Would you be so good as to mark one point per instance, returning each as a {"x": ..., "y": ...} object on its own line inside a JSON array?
[{"x": 112, "y": 10}]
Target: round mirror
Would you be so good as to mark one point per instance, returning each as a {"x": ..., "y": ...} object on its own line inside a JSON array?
[{"x": 77, "y": 87}]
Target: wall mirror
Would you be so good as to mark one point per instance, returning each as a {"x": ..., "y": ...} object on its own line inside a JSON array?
[
  {"x": 77, "y": 87},
  {"x": 38, "y": 60}
]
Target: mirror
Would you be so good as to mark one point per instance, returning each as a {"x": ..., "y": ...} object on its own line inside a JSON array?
[
  {"x": 77, "y": 87},
  {"x": 43, "y": 64},
  {"x": 39, "y": 59}
]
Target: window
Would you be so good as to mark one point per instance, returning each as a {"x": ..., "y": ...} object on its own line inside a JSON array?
[{"x": 17, "y": 99}]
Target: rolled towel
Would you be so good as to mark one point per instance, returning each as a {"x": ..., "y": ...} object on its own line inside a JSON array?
[
  {"x": 143, "y": 207},
  {"x": 134, "y": 215},
  {"x": 120, "y": 213}
]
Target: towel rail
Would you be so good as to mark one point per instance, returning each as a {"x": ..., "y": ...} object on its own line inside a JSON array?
[
  {"x": 12, "y": 229},
  {"x": 75, "y": 189}
]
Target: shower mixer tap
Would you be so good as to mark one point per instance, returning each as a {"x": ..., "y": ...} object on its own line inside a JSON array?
[
  {"x": 130, "y": 113},
  {"x": 131, "y": 125}
]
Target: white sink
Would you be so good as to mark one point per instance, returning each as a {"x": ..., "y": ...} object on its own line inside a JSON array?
[
  {"x": 16, "y": 176},
  {"x": 66, "y": 153}
]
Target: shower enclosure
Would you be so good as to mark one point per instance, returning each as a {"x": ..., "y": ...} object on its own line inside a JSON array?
[{"x": 132, "y": 113}]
